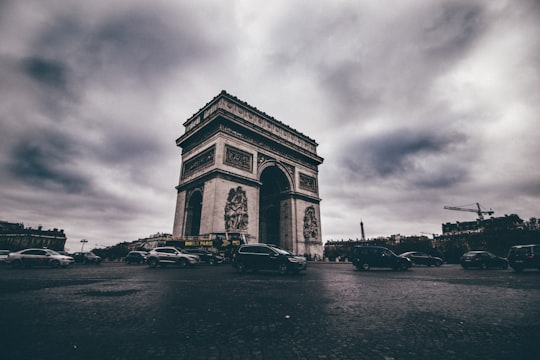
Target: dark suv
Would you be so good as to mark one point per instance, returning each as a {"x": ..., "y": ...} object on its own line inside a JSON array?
[
  {"x": 524, "y": 257},
  {"x": 365, "y": 257},
  {"x": 267, "y": 257}
]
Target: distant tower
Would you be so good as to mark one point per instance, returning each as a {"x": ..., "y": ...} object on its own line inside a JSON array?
[{"x": 362, "y": 230}]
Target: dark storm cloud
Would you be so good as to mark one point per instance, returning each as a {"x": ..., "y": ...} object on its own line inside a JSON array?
[
  {"x": 46, "y": 72},
  {"x": 453, "y": 30},
  {"x": 45, "y": 162},
  {"x": 134, "y": 45},
  {"x": 398, "y": 154}
]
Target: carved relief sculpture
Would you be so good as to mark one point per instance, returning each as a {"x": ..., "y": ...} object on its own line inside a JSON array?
[
  {"x": 238, "y": 158},
  {"x": 308, "y": 182},
  {"x": 199, "y": 162},
  {"x": 311, "y": 227},
  {"x": 236, "y": 210}
]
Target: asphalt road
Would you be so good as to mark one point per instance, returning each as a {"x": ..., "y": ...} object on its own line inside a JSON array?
[{"x": 333, "y": 311}]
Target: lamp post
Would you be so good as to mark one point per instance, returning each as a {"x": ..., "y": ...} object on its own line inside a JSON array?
[{"x": 83, "y": 241}]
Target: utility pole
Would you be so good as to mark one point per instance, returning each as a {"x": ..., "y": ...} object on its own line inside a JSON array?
[
  {"x": 362, "y": 231},
  {"x": 83, "y": 241}
]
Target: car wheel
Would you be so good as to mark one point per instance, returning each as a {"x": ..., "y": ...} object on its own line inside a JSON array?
[
  {"x": 403, "y": 267},
  {"x": 505, "y": 266},
  {"x": 182, "y": 263},
  {"x": 152, "y": 262},
  {"x": 16, "y": 264},
  {"x": 438, "y": 263},
  {"x": 282, "y": 268},
  {"x": 55, "y": 264},
  {"x": 483, "y": 266},
  {"x": 212, "y": 261},
  {"x": 365, "y": 266},
  {"x": 518, "y": 269}
]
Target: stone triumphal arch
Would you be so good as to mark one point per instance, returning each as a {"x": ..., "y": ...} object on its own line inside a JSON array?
[{"x": 246, "y": 172}]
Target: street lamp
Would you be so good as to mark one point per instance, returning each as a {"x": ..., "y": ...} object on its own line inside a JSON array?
[{"x": 83, "y": 241}]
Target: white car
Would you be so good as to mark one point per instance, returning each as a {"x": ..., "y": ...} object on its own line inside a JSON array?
[
  {"x": 38, "y": 257},
  {"x": 169, "y": 255}
]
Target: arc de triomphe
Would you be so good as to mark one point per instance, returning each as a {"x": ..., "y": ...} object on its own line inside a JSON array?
[{"x": 244, "y": 171}]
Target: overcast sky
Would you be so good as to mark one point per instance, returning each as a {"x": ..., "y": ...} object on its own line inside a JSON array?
[{"x": 415, "y": 104}]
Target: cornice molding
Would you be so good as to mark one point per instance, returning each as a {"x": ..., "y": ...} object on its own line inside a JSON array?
[{"x": 235, "y": 110}]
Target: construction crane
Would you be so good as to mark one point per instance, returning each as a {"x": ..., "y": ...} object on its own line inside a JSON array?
[{"x": 478, "y": 210}]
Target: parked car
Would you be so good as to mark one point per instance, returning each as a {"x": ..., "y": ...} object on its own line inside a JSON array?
[
  {"x": 365, "y": 257},
  {"x": 267, "y": 257},
  {"x": 169, "y": 255},
  {"x": 524, "y": 257},
  {"x": 482, "y": 260},
  {"x": 206, "y": 256},
  {"x": 420, "y": 258},
  {"x": 136, "y": 257},
  {"x": 3, "y": 256},
  {"x": 38, "y": 257},
  {"x": 87, "y": 257}
]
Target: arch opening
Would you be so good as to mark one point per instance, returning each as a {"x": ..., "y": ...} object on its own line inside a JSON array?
[
  {"x": 193, "y": 214},
  {"x": 273, "y": 216}
]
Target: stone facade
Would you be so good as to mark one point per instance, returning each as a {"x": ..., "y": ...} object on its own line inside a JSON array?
[
  {"x": 15, "y": 237},
  {"x": 244, "y": 171}
]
